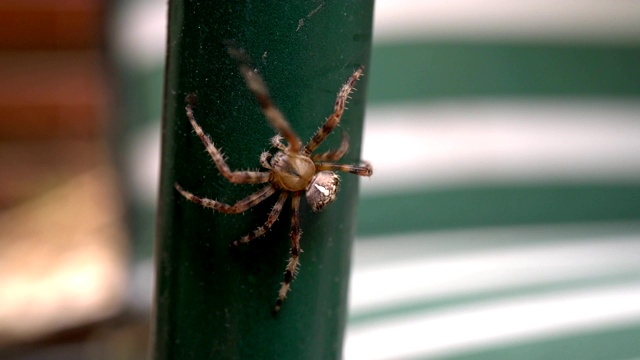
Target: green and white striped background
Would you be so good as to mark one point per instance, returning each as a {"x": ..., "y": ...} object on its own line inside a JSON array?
[{"x": 503, "y": 219}]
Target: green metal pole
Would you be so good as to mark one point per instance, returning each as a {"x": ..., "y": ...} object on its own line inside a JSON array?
[{"x": 212, "y": 303}]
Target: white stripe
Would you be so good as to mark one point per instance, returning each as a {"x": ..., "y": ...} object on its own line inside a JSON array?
[
  {"x": 602, "y": 21},
  {"x": 481, "y": 326},
  {"x": 469, "y": 142},
  {"x": 411, "y": 270},
  {"x": 139, "y": 33}
]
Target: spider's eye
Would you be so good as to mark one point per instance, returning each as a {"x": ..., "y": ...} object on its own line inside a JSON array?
[{"x": 322, "y": 189}]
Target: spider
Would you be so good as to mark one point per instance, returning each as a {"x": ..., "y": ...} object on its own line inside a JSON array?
[{"x": 292, "y": 170}]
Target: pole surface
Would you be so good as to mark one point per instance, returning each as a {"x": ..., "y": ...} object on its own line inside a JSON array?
[{"x": 212, "y": 302}]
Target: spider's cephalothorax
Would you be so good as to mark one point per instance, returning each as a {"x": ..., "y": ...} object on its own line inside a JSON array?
[{"x": 294, "y": 169}]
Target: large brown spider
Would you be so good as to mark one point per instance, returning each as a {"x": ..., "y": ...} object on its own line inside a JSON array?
[{"x": 293, "y": 169}]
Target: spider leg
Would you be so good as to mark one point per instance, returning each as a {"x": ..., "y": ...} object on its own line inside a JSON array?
[
  {"x": 240, "y": 206},
  {"x": 236, "y": 177},
  {"x": 273, "y": 216},
  {"x": 362, "y": 170},
  {"x": 256, "y": 84},
  {"x": 334, "y": 119},
  {"x": 292, "y": 265},
  {"x": 264, "y": 160},
  {"x": 276, "y": 142},
  {"x": 334, "y": 155}
]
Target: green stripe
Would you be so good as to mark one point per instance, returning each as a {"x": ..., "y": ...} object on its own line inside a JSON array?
[
  {"x": 496, "y": 206},
  {"x": 425, "y": 70},
  {"x": 608, "y": 344}
]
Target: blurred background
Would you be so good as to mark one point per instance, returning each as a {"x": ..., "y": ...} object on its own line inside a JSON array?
[{"x": 503, "y": 219}]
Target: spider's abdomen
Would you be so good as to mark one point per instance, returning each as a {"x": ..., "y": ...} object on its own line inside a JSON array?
[
  {"x": 322, "y": 190},
  {"x": 292, "y": 172}
]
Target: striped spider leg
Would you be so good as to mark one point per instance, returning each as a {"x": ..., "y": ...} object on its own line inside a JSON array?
[{"x": 291, "y": 171}]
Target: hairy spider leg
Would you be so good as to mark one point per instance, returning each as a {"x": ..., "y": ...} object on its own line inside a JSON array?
[
  {"x": 334, "y": 155},
  {"x": 256, "y": 84},
  {"x": 276, "y": 142},
  {"x": 273, "y": 216},
  {"x": 240, "y": 206},
  {"x": 361, "y": 170},
  {"x": 334, "y": 119},
  {"x": 236, "y": 177},
  {"x": 292, "y": 265},
  {"x": 264, "y": 160}
]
